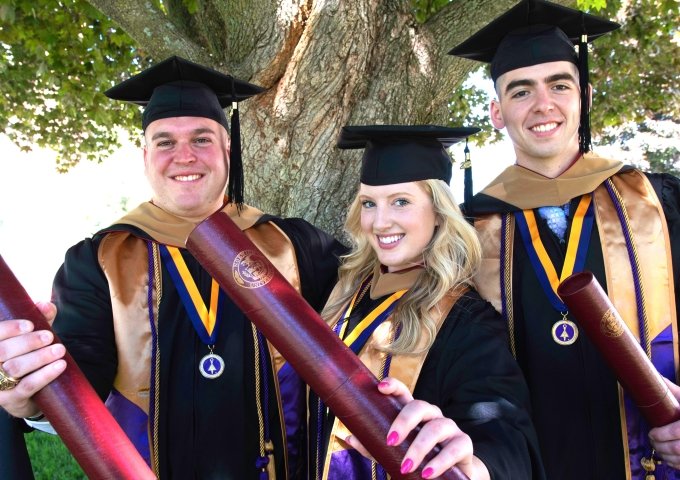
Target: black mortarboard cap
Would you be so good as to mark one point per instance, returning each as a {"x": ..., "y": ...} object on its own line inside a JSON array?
[
  {"x": 535, "y": 32},
  {"x": 403, "y": 153},
  {"x": 177, "y": 87}
]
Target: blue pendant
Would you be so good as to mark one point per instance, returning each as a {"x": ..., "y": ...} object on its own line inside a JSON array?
[
  {"x": 211, "y": 366},
  {"x": 564, "y": 332}
]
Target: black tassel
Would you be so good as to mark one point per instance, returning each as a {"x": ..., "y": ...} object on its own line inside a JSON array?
[
  {"x": 235, "y": 185},
  {"x": 584, "y": 140},
  {"x": 235, "y": 188},
  {"x": 467, "y": 165}
]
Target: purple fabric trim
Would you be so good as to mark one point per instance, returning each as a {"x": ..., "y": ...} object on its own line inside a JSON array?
[
  {"x": 293, "y": 410},
  {"x": 349, "y": 464},
  {"x": 638, "y": 446},
  {"x": 132, "y": 420},
  {"x": 663, "y": 353},
  {"x": 264, "y": 361},
  {"x": 319, "y": 438},
  {"x": 637, "y": 428},
  {"x": 388, "y": 360},
  {"x": 154, "y": 337}
]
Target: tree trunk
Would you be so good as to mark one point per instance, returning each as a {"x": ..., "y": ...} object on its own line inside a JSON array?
[{"x": 325, "y": 63}]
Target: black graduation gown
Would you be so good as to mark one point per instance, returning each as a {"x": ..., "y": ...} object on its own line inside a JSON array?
[
  {"x": 470, "y": 374},
  {"x": 574, "y": 395},
  {"x": 208, "y": 429}
]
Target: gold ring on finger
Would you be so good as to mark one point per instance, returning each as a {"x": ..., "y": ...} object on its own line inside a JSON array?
[{"x": 7, "y": 382}]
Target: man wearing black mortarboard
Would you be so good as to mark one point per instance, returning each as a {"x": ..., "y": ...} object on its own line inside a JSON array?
[
  {"x": 188, "y": 377},
  {"x": 562, "y": 209}
]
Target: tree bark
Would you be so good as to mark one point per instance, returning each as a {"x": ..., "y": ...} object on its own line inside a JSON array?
[{"x": 325, "y": 63}]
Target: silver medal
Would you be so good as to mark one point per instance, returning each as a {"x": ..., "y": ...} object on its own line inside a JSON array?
[
  {"x": 211, "y": 366},
  {"x": 564, "y": 332}
]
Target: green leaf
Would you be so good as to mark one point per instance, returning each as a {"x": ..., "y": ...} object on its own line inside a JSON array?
[
  {"x": 55, "y": 60},
  {"x": 591, "y": 4}
]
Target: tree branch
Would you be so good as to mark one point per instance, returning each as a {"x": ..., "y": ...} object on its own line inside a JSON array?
[
  {"x": 151, "y": 29},
  {"x": 260, "y": 39}
]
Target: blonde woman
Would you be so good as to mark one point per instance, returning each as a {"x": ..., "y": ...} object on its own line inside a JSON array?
[{"x": 405, "y": 304}]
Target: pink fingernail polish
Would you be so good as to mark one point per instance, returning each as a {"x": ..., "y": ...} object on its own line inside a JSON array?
[
  {"x": 427, "y": 473},
  {"x": 392, "y": 438},
  {"x": 406, "y": 466},
  {"x": 384, "y": 384}
]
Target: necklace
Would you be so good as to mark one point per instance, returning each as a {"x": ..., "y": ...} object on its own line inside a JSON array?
[
  {"x": 564, "y": 331},
  {"x": 204, "y": 319}
]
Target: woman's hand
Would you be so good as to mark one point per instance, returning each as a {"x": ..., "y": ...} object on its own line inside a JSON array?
[{"x": 436, "y": 430}]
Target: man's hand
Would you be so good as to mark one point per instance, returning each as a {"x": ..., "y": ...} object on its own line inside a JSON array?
[
  {"x": 437, "y": 430},
  {"x": 29, "y": 357},
  {"x": 666, "y": 439}
]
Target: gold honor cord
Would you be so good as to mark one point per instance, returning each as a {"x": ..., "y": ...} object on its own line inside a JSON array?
[
  {"x": 266, "y": 445},
  {"x": 158, "y": 282}
]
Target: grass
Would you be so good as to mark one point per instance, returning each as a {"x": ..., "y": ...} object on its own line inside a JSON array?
[{"x": 50, "y": 458}]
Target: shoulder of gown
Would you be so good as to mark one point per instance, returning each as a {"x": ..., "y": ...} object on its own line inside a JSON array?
[{"x": 471, "y": 375}]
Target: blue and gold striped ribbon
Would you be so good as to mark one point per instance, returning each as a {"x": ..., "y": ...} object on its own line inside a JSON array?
[
  {"x": 360, "y": 334},
  {"x": 577, "y": 248},
  {"x": 203, "y": 318}
]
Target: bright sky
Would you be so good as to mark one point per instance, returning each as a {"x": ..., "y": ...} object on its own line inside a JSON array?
[{"x": 43, "y": 213}]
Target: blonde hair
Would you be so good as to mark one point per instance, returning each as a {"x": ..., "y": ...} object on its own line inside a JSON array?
[{"x": 451, "y": 259}]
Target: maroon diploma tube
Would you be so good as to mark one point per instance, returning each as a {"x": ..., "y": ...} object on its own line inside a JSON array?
[
  {"x": 596, "y": 315},
  {"x": 72, "y": 406},
  {"x": 323, "y": 361}
]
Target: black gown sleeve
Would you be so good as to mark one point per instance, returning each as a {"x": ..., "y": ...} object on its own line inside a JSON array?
[
  {"x": 471, "y": 375},
  {"x": 317, "y": 257},
  {"x": 84, "y": 319}
]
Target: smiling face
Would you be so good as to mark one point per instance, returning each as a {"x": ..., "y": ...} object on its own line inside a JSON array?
[
  {"x": 540, "y": 106},
  {"x": 399, "y": 222},
  {"x": 186, "y": 163}
]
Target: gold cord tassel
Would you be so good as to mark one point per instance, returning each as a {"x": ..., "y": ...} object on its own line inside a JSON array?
[{"x": 271, "y": 466}]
